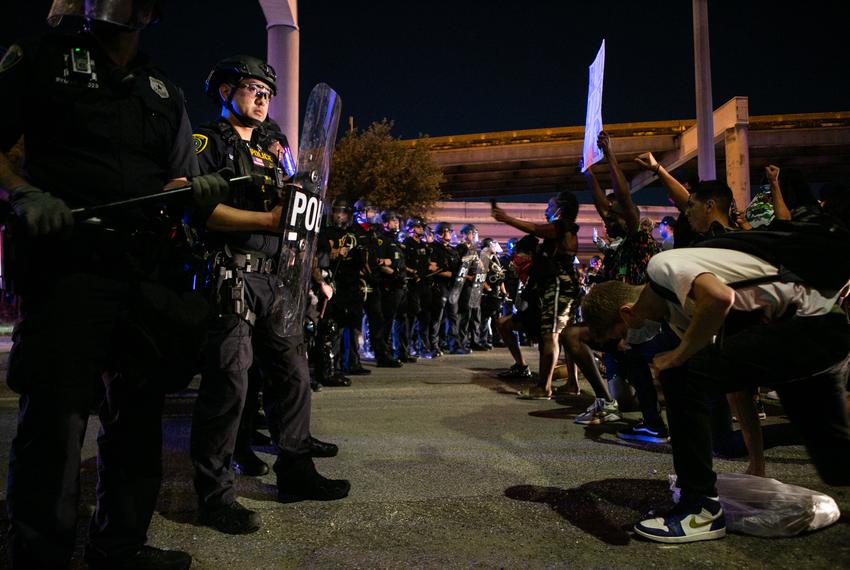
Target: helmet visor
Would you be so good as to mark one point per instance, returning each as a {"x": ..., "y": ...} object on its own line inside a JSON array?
[{"x": 132, "y": 14}]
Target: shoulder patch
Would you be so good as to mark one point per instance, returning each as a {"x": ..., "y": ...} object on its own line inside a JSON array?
[
  {"x": 12, "y": 57},
  {"x": 158, "y": 87},
  {"x": 201, "y": 142}
]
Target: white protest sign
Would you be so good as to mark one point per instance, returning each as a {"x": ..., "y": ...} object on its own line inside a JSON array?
[{"x": 593, "y": 123}]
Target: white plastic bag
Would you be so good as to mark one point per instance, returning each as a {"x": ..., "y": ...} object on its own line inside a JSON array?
[{"x": 768, "y": 508}]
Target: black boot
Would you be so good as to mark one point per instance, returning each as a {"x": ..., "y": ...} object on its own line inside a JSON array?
[
  {"x": 337, "y": 379},
  {"x": 246, "y": 462},
  {"x": 298, "y": 480},
  {"x": 147, "y": 557},
  {"x": 355, "y": 367},
  {"x": 321, "y": 448},
  {"x": 230, "y": 519}
]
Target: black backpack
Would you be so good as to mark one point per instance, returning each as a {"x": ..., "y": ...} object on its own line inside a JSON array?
[{"x": 814, "y": 250}]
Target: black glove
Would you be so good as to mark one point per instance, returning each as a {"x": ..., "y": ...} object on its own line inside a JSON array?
[
  {"x": 210, "y": 190},
  {"x": 41, "y": 213}
]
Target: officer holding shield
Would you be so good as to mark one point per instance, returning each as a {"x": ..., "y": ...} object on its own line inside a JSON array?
[{"x": 247, "y": 294}]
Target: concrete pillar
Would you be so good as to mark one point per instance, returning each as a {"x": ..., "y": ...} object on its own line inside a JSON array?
[
  {"x": 705, "y": 109},
  {"x": 736, "y": 142},
  {"x": 284, "y": 44}
]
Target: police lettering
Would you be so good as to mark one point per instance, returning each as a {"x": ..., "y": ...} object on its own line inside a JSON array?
[{"x": 310, "y": 207}]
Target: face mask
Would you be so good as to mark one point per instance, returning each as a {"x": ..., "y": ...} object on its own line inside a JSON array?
[{"x": 645, "y": 333}]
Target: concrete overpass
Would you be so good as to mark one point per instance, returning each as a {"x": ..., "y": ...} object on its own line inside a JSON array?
[{"x": 540, "y": 160}]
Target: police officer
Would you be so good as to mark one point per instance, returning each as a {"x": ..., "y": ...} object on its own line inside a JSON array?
[
  {"x": 414, "y": 319},
  {"x": 374, "y": 266},
  {"x": 100, "y": 124},
  {"x": 447, "y": 262},
  {"x": 325, "y": 350},
  {"x": 493, "y": 289},
  {"x": 346, "y": 306},
  {"x": 244, "y": 236},
  {"x": 392, "y": 277},
  {"x": 469, "y": 305}
]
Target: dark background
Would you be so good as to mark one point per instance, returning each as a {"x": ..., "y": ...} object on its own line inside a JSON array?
[{"x": 442, "y": 68}]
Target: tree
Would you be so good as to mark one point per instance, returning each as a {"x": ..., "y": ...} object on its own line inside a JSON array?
[{"x": 392, "y": 174}]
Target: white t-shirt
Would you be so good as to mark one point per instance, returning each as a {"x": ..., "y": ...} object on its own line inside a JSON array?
[{"x": 676, "y": 269}]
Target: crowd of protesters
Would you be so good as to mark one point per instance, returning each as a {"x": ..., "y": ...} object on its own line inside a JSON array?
[{"x": 726, "y": 304}]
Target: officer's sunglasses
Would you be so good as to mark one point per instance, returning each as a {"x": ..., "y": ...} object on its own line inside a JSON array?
[{"x": 257, "y": 91}]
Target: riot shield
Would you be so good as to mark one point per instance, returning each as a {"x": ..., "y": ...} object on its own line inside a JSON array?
[
  {"x": 303, "y": 202},
  {"x": 478, "y": 284},
  {"x": 460, "y": 278}
]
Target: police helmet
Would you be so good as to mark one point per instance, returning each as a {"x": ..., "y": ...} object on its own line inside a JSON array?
[
  {"x": 492, "y": 244},
  {"x": 232, "y": 69},
  {"x": 363, "y": 204},
  {"x": 467, "y": 228},
  {"x": 131, "y": 14},
  {"x": 342, "y": 203},
  {"x": 388, "y": 215},
  {"x": 441, "y": 227},
  {"x": 414, "y": 221}
]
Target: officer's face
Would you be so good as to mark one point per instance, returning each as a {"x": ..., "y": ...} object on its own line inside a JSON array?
[
  {"x": 252, "y": 99},
  {"x": 340, "y": 217},
  {"x": 392, "y": 224}
]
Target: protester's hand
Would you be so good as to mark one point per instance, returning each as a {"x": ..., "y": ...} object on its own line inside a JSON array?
[
  {"x": 210, "y": 190},
  {"x": 663, "y": 361},
  {"x": 743, "y": 223},
  {"x": 647, "y": 162},
  {"x": 41, "y": 213},
  {"x": 603, "y": 141},
  {"x": 499, "y": 214},
  {"x": 772, "y": 173}
]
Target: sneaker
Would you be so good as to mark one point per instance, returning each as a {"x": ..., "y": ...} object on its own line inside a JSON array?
[
  {"x": 230, "y": 519},
  {"x": 516, "y": 372},
  {"x": 687, "y": 522},
  {"x": 599, "y": 412},
  {"x": 145, "y": 557},
  {"x": 760, "y": 409},
  {"x": 644, "y": 432}
]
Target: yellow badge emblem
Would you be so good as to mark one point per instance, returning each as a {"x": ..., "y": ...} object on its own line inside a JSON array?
[{"x": 201, "y": 142}]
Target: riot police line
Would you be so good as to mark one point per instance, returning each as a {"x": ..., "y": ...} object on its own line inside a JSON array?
[{"x": 404, "y": 290}]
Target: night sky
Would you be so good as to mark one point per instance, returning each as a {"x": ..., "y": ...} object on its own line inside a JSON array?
[{"x": 442, "y": 68}]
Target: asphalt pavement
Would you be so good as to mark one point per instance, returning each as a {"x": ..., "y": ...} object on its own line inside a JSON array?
[{"x": 450, "y": 470}]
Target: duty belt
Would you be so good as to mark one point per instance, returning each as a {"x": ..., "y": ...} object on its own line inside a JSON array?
[{"x": 250, "y": 262}]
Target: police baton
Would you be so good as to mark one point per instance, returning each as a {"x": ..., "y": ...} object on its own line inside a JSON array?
[{"x": 93, "y": 211}]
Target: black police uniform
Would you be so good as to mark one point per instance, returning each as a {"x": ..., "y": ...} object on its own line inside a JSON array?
[
  {"x": 246, "y": 288},
  {"x": 414, "y": 320},
  {"x": 324, "y": 345},
  {"x": 469, "y": 304},
  {"x": 93, "y": 133},
  {"x": 447, "y": 259},
  {"x": 369, "y": 236},
  {"x": 393, "y": 285},
  {"x": 491, "y": 299},
  {"x": 346, "y": 306}
]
